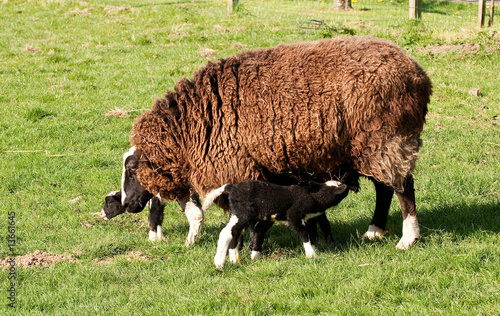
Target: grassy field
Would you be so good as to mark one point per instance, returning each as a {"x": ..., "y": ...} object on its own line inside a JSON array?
[{"x": 74, "y": 74}]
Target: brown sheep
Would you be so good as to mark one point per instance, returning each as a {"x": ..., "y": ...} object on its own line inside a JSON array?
[{"x": 354, "y": 104}]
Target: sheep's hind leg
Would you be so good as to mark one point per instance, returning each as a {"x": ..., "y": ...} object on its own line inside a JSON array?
[
  {"x": 195, "y": 216},
  {"x": 383, "y": 200},
  {"x": 411, "y": 230}
]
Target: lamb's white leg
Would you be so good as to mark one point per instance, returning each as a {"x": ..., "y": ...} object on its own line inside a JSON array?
[
  {"x": 310, "y": 252},
  {"x": 256, "y": 255},
  {"x": 411, "y": 232},
  {"x": 373, "y": 232},
  {"x": 156, "y": 235},
  {"x": 195, "y": 217},
  {"x": 225, "y": 237}
]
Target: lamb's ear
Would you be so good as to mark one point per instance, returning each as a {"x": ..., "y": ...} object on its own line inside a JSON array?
[{"x": 314, "y": 186}]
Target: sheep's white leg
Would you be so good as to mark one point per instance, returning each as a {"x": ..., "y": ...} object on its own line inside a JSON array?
[
  {"x": 156, "y": 235},
  {"x": 310, "y": 252},
  {"x": 256, "y": 255},
  {"x": 195, "y": 217},
  {"x": 225, "y": 237},
  {"x": 234, "y": 255},
  {"x": 373, "y": 232},
  {"x": 411, "y": 232}
]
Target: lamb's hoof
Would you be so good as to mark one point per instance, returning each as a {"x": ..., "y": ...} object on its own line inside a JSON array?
[
  {"x": 314, "y": 255},
  {"x": 310, "y": 251},
  {"x": 373, "y": 233},
  {"x": 406, "y": 242}
]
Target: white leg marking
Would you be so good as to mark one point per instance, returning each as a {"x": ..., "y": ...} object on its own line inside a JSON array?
[
  {"x": 225, "y": 237},
  {"x": 256, "y": 255},
  {"x": 234, "y": 255},
  {"x": 411, "y": 232},
  {"x": 195, "y": 217},
  {"x": 373, "y": 232},
  {"x": 159, "y": 233},
  {"x": 156, "y": 236},
  {"x": 129, "y": 153},
  {"x": 152, "y": 235},
  {"x": 310, "y": 252}
]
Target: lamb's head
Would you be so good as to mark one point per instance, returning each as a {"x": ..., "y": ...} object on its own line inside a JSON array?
[
  {"x": 134, "y": 196},
  {"x": 328, "y": 194}
]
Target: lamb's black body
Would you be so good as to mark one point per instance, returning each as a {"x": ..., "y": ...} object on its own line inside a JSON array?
[{"x": 259, "y": 203}]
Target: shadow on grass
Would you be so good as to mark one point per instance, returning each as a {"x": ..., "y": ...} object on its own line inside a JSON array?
[{"x": 461, "y": 220}]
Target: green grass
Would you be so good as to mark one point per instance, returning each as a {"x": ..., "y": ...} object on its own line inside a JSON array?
[{"x": 65, "y": 64}]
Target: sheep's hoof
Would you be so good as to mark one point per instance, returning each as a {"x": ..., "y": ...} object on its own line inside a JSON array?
[
  {"x": 219, "y": 265},
  {"x": 406, "y": 243},
  {"x": 234, "y": 256},
  {"x": 156, "y": 238},
  {"x": 256, "y": 255},
  {"x": 373, "y": 233},
  {"x": 191, "y": 239}
]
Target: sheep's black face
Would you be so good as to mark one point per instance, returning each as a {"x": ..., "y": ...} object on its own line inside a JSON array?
[
  {"x": 133, "y": 196},
  {"x": 112, "y": 205}
]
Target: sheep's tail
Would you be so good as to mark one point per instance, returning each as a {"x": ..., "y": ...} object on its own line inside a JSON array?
[{"x": 211, "y": 196}]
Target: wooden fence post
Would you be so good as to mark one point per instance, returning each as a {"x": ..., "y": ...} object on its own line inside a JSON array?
[
  {"x": 415, "y": 11},
  {"x": 480, "y": 13},
  {"x": 231, "y": 4},
  {"x": 492, "y": 12}
]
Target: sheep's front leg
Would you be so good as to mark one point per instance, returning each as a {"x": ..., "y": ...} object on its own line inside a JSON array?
[
  {"x": 156, "y": 208},
  {"x": 195, "y": 216},
  {"x": 411, "y": 230},
  {"x": 226, "y": 237}
]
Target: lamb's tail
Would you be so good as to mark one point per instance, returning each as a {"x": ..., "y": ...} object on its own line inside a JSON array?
[{"x": 211, "y": 196}]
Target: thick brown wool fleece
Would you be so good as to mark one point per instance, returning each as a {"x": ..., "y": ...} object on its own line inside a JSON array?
[{"x": 309, "y": 107}]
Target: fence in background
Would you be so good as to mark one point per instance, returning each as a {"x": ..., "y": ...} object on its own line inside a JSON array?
[{"x": 447, "y": 16}]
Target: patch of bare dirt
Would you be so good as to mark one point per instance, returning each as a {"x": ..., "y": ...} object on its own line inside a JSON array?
[
  {"x": 117, "y": 112},
  {"x": 36, "y": 258},
  {"x": 208, "y": 53},
  {"x": 31, "y": 49},
  {"x": 112, "y": 10}
]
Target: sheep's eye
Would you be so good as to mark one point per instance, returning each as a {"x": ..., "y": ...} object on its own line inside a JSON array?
[{"x": 131, "y": 171}]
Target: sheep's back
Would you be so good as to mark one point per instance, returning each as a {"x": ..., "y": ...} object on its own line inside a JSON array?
[{"x": 315, "y": 106}]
